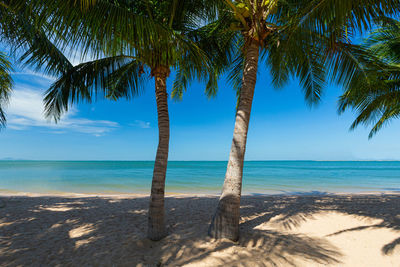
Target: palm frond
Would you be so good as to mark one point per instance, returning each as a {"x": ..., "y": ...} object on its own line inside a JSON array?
[
  {"x": 112, "y": 77},
  {"x": 38, "y": 51},
  {"x": 374, "y": 90},
  {"x": 6, "y": 84},
  {"x": 216, "y": 43}
]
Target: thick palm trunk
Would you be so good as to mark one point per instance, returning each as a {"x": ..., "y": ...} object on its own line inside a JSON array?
[
  {"x": 156, "y": 226},
  {"x": 225, "y": 223}
]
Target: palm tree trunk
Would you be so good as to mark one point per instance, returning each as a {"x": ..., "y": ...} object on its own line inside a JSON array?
[
  {"x": 225, "y": 223},
  {"x": 156, "y": 226}
]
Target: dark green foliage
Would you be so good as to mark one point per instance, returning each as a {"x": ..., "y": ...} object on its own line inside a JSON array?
[
  {"x": 374, "y": 91},
  {"x": 5, "y": 85},
  {"x": 309, "y": 40},
  {"x": 111, "y": 77},
  {"x": 126, "y": 39}
]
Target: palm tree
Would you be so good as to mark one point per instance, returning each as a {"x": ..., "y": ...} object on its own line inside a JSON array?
[
  {"x": 374, "y": 91},
  {"x": 132, "y": 41},
  {"x": 5, "y": 85},
  {"x": 305, "y": 39}
]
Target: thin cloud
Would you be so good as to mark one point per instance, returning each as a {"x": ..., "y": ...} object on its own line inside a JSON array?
[
  {"x": 26, "y": 110},
  {"x": 35, "y": 74},
  {"x": 141, "y": 124}
]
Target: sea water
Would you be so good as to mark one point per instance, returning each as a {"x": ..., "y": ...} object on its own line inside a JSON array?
[{"x": 199, "y": 177}]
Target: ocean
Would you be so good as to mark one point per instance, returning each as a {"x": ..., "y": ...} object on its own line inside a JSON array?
[{"x": 199, "y": 177}]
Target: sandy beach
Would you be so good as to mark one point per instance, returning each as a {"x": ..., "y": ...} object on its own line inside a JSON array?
[{"x": 308, "y": 230}]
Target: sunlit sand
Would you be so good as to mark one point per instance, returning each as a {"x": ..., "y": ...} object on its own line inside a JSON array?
[{"x": 334, "y": 230}]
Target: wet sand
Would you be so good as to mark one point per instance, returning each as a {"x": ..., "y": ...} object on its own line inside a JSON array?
[{"x": 283, "y": 230}]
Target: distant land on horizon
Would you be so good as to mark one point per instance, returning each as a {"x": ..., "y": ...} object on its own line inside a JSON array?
[{"x": 260, "y": 160}]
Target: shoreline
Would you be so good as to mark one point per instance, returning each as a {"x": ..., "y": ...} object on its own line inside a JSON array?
[
  {"x": 133, "y": 179},
  {"x": 177, "y": 194}
]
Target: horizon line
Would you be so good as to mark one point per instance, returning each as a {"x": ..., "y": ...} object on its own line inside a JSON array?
[{"x": 258, "y": 160}]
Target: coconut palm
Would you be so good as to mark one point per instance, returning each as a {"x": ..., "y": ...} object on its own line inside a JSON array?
[
  {"x": 374, "y": 91},
  {"x": 305, "y": 39},
  {"x": 132, "y": 42}
]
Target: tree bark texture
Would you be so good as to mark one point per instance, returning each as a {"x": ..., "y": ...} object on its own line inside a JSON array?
[
  {"x": 156, "y": 223},
  {"x": 225, "y": 223}
]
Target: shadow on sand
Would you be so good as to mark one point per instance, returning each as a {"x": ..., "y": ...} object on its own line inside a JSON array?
[{"x": 50, "y": 231}]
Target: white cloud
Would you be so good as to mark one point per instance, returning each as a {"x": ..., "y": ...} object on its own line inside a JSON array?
[
  {"x": 26, "y": 110},
  {"x": 35, "y": 74},
  {"x": 141, "y": 124}
]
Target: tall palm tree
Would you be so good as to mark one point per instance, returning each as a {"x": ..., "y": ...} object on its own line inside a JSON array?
[
  {"x": 305, "y": 39},
  {"x": 132, "y": 41},
  {"x": 374, "y": 91}
]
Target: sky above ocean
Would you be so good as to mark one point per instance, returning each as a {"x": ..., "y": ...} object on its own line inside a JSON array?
[{"x": 282, "y": 126}]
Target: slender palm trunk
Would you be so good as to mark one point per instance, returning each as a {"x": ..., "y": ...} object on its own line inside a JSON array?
[
  {"x": 156, "y": 226},
  {"x": 225, "y": 223}
]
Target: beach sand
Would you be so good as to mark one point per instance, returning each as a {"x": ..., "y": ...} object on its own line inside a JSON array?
[{"x": 282, "y": 230}]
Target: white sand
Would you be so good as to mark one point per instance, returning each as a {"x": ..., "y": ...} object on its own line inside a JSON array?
[{"x": 333, "y": 230}]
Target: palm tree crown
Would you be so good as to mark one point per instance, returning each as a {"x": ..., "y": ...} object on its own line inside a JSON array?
[{"x": 121, "y": 70}]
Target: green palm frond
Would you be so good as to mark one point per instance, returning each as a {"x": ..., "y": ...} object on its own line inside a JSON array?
[
  {"x": 216, "y": 42},
  {"x": 6, "y": 83},
  {"x": 309, "y": 40},
  {"x": 374, "y": 90},
  {"x": 235, "y": 73},
  {"x": 303, "y": 57},
  {"x": 314, "y": 44},
  {"x": 356, "y": 16},
  {"x": 37, "y": 50},
  {"x": 379, "y": 111},
  {"x": 96, "y": 29},
  {"x": 375, "y": 97},
  {"x": 124, "y": 37},
  {"x": 385, "y": 42},
  {"x": 115, "y": 27},
  {"x": 112, "y": 77}
]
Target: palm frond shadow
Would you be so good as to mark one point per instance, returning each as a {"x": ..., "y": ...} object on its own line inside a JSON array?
[
  {"x": 290, "y": 211},
  {"x": 264, "y": 248},
  {"x": 108, "y": 231}
]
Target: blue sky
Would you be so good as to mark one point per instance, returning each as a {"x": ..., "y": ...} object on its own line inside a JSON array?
[{"x": 282, "y": 126}]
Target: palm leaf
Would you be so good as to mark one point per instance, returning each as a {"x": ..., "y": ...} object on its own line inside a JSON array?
[
  {"x": 373, "y": 91},
  {"x": 6, "y": 83},
  {"x": 112, "y": 77}
]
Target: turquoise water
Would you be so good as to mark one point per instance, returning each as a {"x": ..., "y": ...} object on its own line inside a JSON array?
[{"x": 204, "y": 177}]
